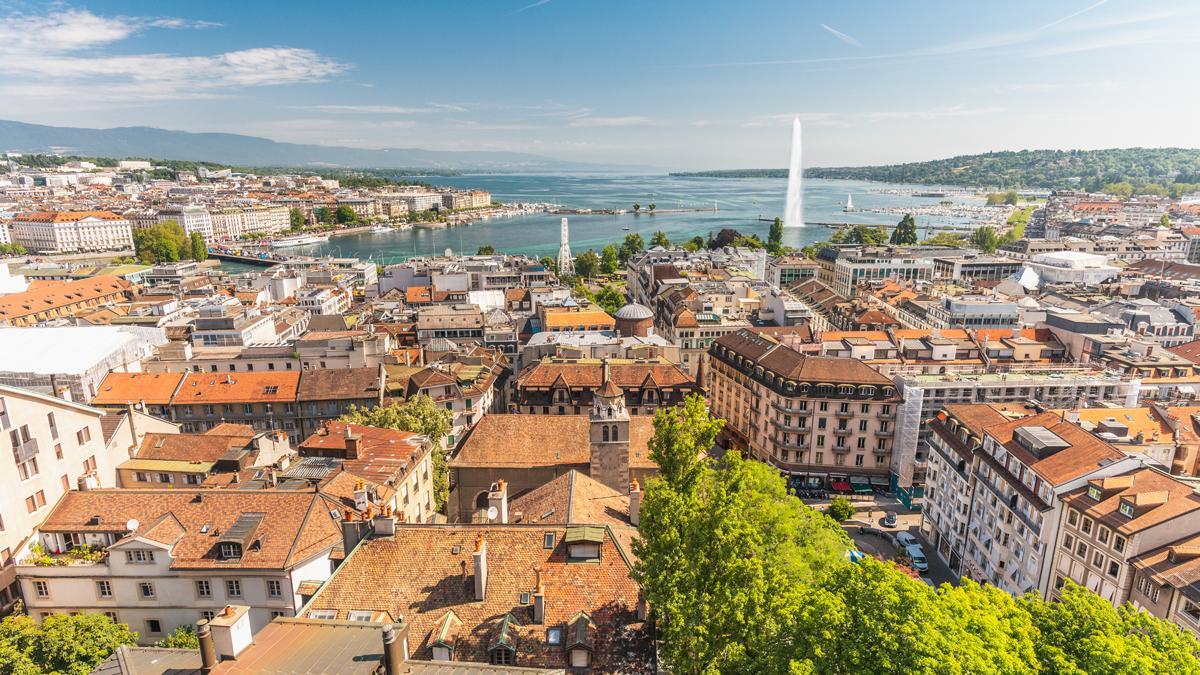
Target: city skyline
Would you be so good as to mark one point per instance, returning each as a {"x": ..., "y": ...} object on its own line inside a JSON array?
[{"x": 715, "y": 86}]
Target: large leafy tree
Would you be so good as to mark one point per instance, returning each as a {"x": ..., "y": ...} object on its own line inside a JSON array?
[
  {"x": 775, "y": 237},
  {"x": 985, "y": 239},
  {"x": 198, "y": 249},
  {"x": 296, "y": 219},
  {"x": 164, "y": 242},
  {"x": 660, "y": 238},
  {"x": 183, "y": 637},
  {"x": 724, "y": 550},
  {"x": 631, "y": 246},
  {"x": 587, "y": 264},
  {"x": 343, "y": 214},
  {"x": 1082, "y": 633},
  {"x": 610, "y": 260},
  {"x": 69, "y": 644},
  {"x": 419, "y": 415},
  {"x": 905, "y": 233}
]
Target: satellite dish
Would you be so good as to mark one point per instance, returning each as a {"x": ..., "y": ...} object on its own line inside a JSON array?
[
  {"x": 492, "y": 513},
  {"x": 132, "y": 525}
]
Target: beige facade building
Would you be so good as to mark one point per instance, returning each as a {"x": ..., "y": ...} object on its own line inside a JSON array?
[{"x": 70, "y": 231}]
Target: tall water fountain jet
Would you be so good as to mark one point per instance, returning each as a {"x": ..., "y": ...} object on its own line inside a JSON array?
[{"x": 793, "y": 213}]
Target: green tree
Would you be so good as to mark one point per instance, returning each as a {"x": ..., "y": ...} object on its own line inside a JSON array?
[
  {"x": 549, "y": 263},
  {"x": 62, "y": 643},
  {"x": 653, "y": 206},
  {"x": 296, "y": 219},
  {"x": 724, "y": 551},
  {"x": 610, "y": 299},
  {"x": 863, "y": 235},
  {"x": 419, "y": 415},
  {"x": 945, "y": 239},
  {"x": 660, "y": 238},
  {"x": 164, "y": 242},
  {"x": 905, "y": 233},
  {"x": 344, "y": 215},
  {"x": 631, "y": 246},
  {"x": 1011, "y": 198},
  {"x": 610, "y": 259},
  {"x": 183, "y": 637},
  {"x": 694, "y": 244},
  {"x": 637, "y": 208},
  {"x": 323, "y": 215},
  {"x": 1121, "y": 190},
  {"x": 587, "y": 264},
  {"x": 1164, "y": 221},
  {"x": 486, "y": 249},
  {"x": 1082, "y": 633},
  {"x": 840, "y": 509},
  {"x": 775, "y": 236},
  {"x": 984, "y": 238},
  {"x": 198, "y": 249}
]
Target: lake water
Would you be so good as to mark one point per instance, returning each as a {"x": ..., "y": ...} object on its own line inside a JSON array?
[{"x": 739, "y": 204}]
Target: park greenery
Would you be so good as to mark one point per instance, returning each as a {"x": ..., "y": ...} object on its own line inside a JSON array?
[
  {"x": 167, "y": 242},
  {"x": 905, "y": 233},
  {"x": 743, "y": 577},
  {"x": 61, "y": 644},
  {"x": 419, "y": 415},
  {"x": 840, "y": 509},
  {"x": 12, "y": 249}
]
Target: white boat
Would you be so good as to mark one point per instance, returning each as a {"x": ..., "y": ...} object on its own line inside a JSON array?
[
  {"x": 303, "y": 240},
  {"x": 380, "y": 229},
  {"x": 849, "y": 203}
]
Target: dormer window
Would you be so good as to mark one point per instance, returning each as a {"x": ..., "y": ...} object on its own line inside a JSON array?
[
  {"x": 583, "y": 543},
  {"x": 1126, "y": 509},
  {"x": 231, "y": 551},
  {"x": 502, "y": 656},
  {"x": 554, "y": 636},
  {"x": 1095, "y": 493}
]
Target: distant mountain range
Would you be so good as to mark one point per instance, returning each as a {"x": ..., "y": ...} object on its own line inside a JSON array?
[
  {"x": 1016, "y": 169},
  {"x": 252, "y": 151}
]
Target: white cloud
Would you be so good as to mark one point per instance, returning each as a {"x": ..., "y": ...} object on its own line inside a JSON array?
[
  {"x": 385, "y": 109},
  {"x": 626, "y": 121},
  {"x": 66, "y": 48},
  {"x": 841, "y": 36}
]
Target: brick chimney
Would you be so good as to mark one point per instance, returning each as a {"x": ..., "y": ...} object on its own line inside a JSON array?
[
  {"x": 498, "y": 499},
  {"x": 353, "y": 531},
  {"x": 352, "y": 440},
  {"x": 539, "y": 597},
  {"x": 480, "y": 567},
  {"x": 231, "y": 631},
  {"x": 635, "y": 502}
]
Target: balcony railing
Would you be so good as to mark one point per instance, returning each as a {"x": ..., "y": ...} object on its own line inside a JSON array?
[{"x": 26, "y": 451}]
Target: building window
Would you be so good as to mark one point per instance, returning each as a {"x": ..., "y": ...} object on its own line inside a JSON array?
[
  {"x": 1086, "y": 528},
  {"x": 153, "y": 626},
  {"x": 548, "y": 540},
  {"x": 83, "y": 435},
  {"x": 104, "y": 589},
  {"x": 41, "y": 589},
  {"x": 1113, "y": 568},
  {"x": 1118, "y": 544},
  {"x": 207, "y": 615},
  {"x": 501, "y": 656},
  {"x": 233, "y": 588},
  {"x": 1102, "y": 534},
  {"x": 1072, "y": 517},
  {"x": 231, "y": 550},
  {"x": 325, "y": 614},
  {"x": 139, "y": 555},
  {"x": 1068, "y": 542},
  {"x": 274, "y": 588},
  {"x": 554, "y": 636},
  {"x": 145, "y": 590},
  {"x": 203, "y": 588}
]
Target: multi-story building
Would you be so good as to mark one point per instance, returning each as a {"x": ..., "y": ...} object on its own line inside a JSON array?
[
  {"x": 826, "y": 419},
  {"x": 996, "y": 483},
  {"x": 190, "y": 218},
  {"x": 71, "y": 231},
  {"x": 566, "y": 386},
  {"x": 973, "y": 311},
  {"x": 1112, "y": 521},
  {"x": 843, "y": 268},
  {"x": 323, "y": 301},
  {"x": 60, "y": 300},
  {"x": 461, "y": 324},
  {"x": 56, "y": 446},
  {"x": 786, "y": 269},
  {"x": 160, "y": 559},
  {"x": 975, "y": 267},
  {"x": 232, "y": 325}
]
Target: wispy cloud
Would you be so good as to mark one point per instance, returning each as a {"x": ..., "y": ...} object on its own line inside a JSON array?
[
  {"x": 66, "y": 47},
  {"x": 626, "y": 121},
  {"x": 1070, "y": 16},
  {"x": 848, "y": 119},
  {"x": 842, "y": 36},
  {"x": 531, "y": 5},
  {"x": 384, "y": 109}
]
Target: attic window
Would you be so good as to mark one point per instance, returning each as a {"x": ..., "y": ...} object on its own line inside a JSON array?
[
  {"x": 270, "y": 389},
  {"x": 1126, "y": 509},
  {"x": 548, "y": 540},
  {"x": 231, "y": 551},
  {"x": 360, "y": 615},
  {"x": 1094, "y": 492},
  {"x": 554, "y": 636},
  {"x": 326, "y": 614}
]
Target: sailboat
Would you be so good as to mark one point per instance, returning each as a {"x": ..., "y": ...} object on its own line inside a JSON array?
[{"x": 849, "y": 204}]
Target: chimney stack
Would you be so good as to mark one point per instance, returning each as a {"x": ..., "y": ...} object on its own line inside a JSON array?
[
  {"x": 353, "y": 531},
  {"x": 498, "y": 499},
  {"x": 231, "y": 631},
  {"x": 352, "y": 440},
  {"x": 539, "y": 597},
  {"x": 385, "y": 523},
  {"x": 635, "y": 502},
  {"x": 480, "y": 567},
  {"x": 208, "y": 650},
  {"x": 133, "y": 439},
  {"x": 395, "y": 650}
]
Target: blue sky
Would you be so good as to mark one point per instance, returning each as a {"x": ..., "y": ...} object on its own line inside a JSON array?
[{"x": 695, "y": 84}]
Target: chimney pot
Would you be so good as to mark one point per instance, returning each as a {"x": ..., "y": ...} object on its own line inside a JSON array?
[
  {"x": 539, "y": 597},
  {"x": 208, "y": 650},
  {"x": 481, "y": 568}
]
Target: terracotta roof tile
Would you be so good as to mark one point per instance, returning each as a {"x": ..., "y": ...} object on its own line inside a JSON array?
[
  {"x": 123, "y": 388},
  {"x": 201, "y": 388},
  {"x": 504, "y": 440}
]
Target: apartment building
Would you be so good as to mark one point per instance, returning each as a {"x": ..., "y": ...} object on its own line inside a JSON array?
[
  {"x": 566, "y": 386},
  {"x": 61, "y": 299},
  {"x": 231, "y": 325},
  {"x": 843, "y": 268},
  {"x": 461, "y": 324},
  {"x": 1112, "y": 521},
  {"x": 825, "y": 419},
  {"x": 57, "y": 446},
  {"x": 190, "y": 218},
  {"x": 995, "y": 489},
  {"x": 323, "y": 301},
  {"x": 469, "y": 384},
  {"x": 160, "y": 559},
  {"x": 169, "y": 460},
  {"x": 71, "y": 231}
]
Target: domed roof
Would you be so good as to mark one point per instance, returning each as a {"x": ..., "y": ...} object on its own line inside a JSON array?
[{"x": 634, "y": 312}]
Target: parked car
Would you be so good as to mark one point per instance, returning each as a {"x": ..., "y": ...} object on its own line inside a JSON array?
[
  {"x": 905, "y": 540},
  {"x": 889, "y": 519},
  {"x": 917, "y": 556}
]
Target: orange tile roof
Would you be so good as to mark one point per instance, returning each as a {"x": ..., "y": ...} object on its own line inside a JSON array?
[
  {"x": 123, "y": 388},
  {"x": 418, "y": 575},
  {"x": 523, "y": 441},
  {"x": 589, "y": 375},
  {"x": 64, "y": 216},
  {"x": 1085, "y": 454},
  {"x": 275, "y": 386},
  {"x": 1158, "y": 497},
  {"x": 42, "y": 295},
  {"x": 556, "y": 318},
  {"x": 297, "y": 523},
  {"x": 573, "y": 498}
]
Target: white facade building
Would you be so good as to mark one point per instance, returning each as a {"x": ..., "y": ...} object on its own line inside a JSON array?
[{"x": 71, "y": 231}]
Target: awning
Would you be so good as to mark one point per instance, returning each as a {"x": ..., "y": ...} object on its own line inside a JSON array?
[
  {"x": 882, "y": 482},
  {"x": 1186, "y": 389},
  {"x": 862, "y": 488},
  {"x": 840, "y": 486},
  {"x": 860, "y": 480}
]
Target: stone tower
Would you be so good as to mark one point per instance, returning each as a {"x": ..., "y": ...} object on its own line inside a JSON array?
[{"x": 608, "y": 433}]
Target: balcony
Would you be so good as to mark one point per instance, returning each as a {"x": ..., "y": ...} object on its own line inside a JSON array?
[
  {"x": 843, "y": 432},
  {"x": 26, "y": 451},
  {"x": 789, "y": 427},
  {"x": 784, "y": 408},
  {"x": 841, "y": 449},
  {"x": 885, "y": 433},
  {"x": 845, "y": 414},
  {"x": 886, "y": 416}
]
